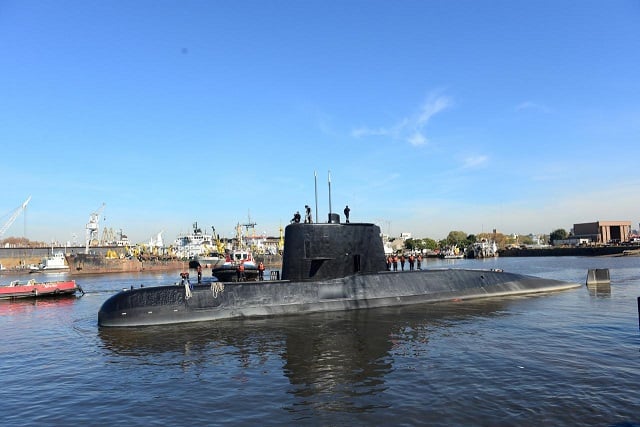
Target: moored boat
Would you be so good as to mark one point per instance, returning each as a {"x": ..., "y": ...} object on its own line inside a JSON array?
[
  {"x": 33, "y": 289},
  {"x": 482, "y": 249},
  {"x": 230, "y": 271},
  {"x": 55, "y": 262},
  {"x": 451, "y": 252},
  {"x": 326, "y": 267}
]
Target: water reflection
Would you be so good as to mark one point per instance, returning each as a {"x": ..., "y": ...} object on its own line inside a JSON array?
[
  {"x": 337, "y": 355},
  {"x": 601, "y": 290},
  {"x": 24, "y": 305}
]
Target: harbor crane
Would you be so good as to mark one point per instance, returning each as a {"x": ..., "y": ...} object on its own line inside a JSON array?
[
  {"x": 14, "y": 216},
  {"x": 93, "y": 227}
]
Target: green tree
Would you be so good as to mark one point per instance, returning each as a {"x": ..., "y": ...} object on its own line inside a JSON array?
[
  {"x": 559, "y": 234},
  {"x": 458, "y": 238},
  {"x": 411, "y": 244},
  {"x": 429, "y": 243}
]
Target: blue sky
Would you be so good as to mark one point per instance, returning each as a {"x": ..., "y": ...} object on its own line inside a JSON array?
[{"x": 431, "y": 116}]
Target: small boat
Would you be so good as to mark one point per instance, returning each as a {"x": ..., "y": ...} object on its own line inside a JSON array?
[
  {"x": 452, "y": 252},
  {"x": 55, "y": 262},
  {"x": 207, "y": 260},
  {"x": 228, "y": 272},
  {"x": 482, "y": 249},
  {"x": 33, "y": 289}
]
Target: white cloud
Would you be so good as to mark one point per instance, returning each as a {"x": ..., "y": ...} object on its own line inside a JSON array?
[
  {"x": 410, "y": 129},
  {"x": 475, "y": 161},
  {"x": 417, "y": 139},
  {"x": 528, "y": 105}
]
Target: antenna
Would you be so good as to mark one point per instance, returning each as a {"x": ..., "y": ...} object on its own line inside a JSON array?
[
  {"x": 330, "y": 211},
  {"x": 315, "y": 183}
]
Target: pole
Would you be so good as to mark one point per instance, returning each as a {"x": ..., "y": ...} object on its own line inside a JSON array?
[
  {"x": 330, "y": 211},
  {"x": 315, "y": 184}
]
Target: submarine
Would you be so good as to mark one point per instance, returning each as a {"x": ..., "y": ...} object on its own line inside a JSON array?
[{"x": 330, "y": 266}]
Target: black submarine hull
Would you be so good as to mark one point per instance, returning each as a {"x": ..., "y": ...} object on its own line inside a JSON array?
[
  {"x": 326, "y": 267},
  {"x": 169, "y": 304}
]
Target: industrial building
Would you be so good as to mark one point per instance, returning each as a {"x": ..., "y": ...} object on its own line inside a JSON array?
[{"x": 603, "y": 232}]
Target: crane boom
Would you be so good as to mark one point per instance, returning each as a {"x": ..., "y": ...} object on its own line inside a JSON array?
[{"x": 14, "y": 216}]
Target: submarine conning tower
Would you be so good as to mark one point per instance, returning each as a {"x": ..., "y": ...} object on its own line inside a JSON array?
[{"x": 331, "y": 250}]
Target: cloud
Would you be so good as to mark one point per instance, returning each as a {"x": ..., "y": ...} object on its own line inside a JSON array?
[
  {"x": 528, "y": 105},
  {"x": 475, "y": 161},
  {"x": 410, "y": 129}
]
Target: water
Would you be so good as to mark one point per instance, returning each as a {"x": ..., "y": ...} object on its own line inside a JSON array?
[{"x": 568, "y": 358}]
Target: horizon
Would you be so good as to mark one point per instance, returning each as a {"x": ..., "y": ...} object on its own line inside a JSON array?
[{"x": 429, "y": 117}]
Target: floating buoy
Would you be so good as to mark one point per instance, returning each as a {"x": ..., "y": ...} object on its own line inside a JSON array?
[{"x": 598, "y": 276}]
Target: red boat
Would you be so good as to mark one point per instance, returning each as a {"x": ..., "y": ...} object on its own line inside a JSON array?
[{"x": 33, "y": 289}]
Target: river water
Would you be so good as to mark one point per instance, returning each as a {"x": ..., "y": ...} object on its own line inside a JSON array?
[{"x": 567, "y": 358}]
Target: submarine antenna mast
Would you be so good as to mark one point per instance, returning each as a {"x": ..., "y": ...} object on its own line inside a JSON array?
[
  {"x": 315, "y": 184},
  {"x": 330, "y": 211}
]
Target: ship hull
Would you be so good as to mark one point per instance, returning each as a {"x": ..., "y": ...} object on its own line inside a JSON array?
[
  {"x": 39, "y": 290},
  {"x": 96, "y": 264},
  {"x": 172, "y": 304},
  {"x": 229, "y": 273}
]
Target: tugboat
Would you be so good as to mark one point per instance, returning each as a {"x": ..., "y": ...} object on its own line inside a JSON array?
[
  {"x": 239, "y": 264},
  {"x": 329, "y": 266},
  {"x": 229, "y": 271}
]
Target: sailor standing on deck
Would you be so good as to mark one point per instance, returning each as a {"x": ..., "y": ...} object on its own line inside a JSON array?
[
  {"x": 346, "y": 213},
  {"x": 261, "y": 271},
  {"x": 241, "y": 278},
  {"x": 307, "y": 215}
]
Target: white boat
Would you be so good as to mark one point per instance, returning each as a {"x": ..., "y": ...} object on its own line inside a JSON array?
[
  {"x": 452, "y": 252},
  {"x": 55, "y": 262},
  {"x": 193, "y": 244},
  {"x": 482, "y": 249}
]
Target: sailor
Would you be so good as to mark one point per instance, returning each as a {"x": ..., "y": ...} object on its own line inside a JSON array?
[
  {"x": 260, "y": 271},
  {"x": 346, "y": 213},
  {"x": 199, "y": 273},
  {"x": 419, "y": 261},
  {"x": 307, "y": 215},
  {"x": 241, "y": 276},
  {"x": 185, "y": 280},
  {"x": 395, "y": 263},
  {"x": 296, "y": 217},
  {"x": 412, "y": 261},
  {"x": 402, "y": 259}
]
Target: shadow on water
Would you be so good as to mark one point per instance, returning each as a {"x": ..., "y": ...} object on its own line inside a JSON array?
[{"x": 330, "y": 351}]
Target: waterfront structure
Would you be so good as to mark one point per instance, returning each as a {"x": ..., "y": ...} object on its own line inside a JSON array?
[{"x": 603, "y": 232}]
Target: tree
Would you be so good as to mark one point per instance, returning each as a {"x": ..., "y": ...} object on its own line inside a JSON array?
[
  {"x": 458, "y": 238},
  {"x": 429, "y": 243},
  {"x": 559, "y": 234}
]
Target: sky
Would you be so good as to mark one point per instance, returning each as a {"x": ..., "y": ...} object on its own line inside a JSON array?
[{"x": 428, "y": 116}]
